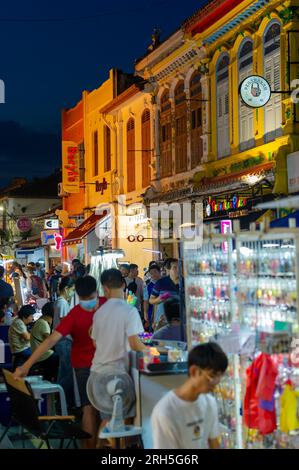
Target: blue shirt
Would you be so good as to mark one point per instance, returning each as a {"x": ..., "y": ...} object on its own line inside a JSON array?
[
  {"x": 6, "y": 291},
  {"x": 146, "y": 295},
  {"x": 163, "y": 286},
  {"x": 170, "y": 333}
]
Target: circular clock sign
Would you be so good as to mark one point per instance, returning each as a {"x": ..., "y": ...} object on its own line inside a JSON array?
[
  {"x": 24, "y": 224},
  {"x": 255, "y": 91}
]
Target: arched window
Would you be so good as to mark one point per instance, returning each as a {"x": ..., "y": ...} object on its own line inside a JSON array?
[
  {"x": 181, "y": 163},
  {"x": 196, "y": 119},
  {"x": 165, "y": 138},
  {"x": 272, "y": 65},
  {"x": 146, "y": 147},
  {"x": 245, "y": 64},
  {"x": 131, "y": 155},
  {"x": 222, "y": 93}
]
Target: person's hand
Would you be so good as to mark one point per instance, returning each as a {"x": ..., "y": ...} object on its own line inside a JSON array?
[
  {"x": 20, "y": 372},
  {"x": 165, "y": 296}
]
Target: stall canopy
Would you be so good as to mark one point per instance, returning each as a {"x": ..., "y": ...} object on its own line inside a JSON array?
[
  {"x": 77, "y": 235},
  {"x": 30, "y": 243}
]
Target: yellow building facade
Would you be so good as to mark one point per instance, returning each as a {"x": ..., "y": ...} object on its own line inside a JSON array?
[{"x": 243, "y": 156}]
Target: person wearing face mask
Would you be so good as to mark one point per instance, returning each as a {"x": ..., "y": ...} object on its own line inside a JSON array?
[
  {"x": 64, "y": 346},
  {"x": 77, "y": 324}
]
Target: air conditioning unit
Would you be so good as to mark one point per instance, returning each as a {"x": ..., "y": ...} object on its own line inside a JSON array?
[{"x": 61, "y": 192}]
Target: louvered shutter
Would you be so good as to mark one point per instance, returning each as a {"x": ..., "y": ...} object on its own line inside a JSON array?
[
  {"x": 223, "y": 119},
  {"x": 245, "y": 113},
  {"x": 131, "y": 155},
  {"x": 273, "y": 107},
  {"x": 146, "y": 145}
]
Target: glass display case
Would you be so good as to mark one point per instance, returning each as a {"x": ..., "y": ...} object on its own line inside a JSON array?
[
  {"x": 245, "y": 285},
  {"x": 211, "y": 313}
]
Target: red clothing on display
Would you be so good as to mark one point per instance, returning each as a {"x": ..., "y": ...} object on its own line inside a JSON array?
[
  {"x": 78, "y": 323},
  {"x": 259, "y": 407}
]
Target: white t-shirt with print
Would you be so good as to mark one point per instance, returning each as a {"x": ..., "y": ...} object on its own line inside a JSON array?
[
  {"x": 113, "y": 324},
  {"x": 179, "y": 424}
]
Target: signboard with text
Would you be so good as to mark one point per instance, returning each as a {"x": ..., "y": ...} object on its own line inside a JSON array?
[{"x": 70, "y": 167}]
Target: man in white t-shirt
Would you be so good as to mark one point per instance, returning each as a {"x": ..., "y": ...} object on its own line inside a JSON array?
[
  {"x": 187, "y": 418},
  {"x": 116, "y": 325}
]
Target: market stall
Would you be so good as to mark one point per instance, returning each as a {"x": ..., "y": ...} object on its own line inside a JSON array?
[{"x": 241, "y": 290}]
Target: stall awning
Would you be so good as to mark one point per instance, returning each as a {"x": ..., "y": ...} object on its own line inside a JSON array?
[
  {"x": 77, "y": 235},
  {"x": 30, "y": 243}
]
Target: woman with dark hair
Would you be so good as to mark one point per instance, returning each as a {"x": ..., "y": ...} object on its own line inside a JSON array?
[
  {"x": 19, "y": 337},
  {"x": 63, "y": 348}
]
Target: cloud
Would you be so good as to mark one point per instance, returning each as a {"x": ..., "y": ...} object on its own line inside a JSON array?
[{"x": 27, "y": 152}]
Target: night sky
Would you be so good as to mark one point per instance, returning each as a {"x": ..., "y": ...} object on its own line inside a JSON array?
[{"x": 50, "y": 53}]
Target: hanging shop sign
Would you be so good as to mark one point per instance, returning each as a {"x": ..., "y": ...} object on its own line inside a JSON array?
[
  {"x": 226, "y": 227},
  {"x": 48, "y": 237},
  {"x": 70, "y": 167},
  {"x": 58, "y": 241},
  {"x": 255, "y": 91},
  {"x": 101, "y": 187},
  {"x": 213, "y": 206},
  {"x": 24, "y": 224},
  {"x": 51, "y": 224}
]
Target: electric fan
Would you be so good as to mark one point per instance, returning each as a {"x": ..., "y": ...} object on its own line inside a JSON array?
[{"x": 112, "y": 392}]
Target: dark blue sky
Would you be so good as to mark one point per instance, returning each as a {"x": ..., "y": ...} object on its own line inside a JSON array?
[{"x": 46, "y": 64}]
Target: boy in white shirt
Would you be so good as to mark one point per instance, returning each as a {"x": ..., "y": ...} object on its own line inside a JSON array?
[
  {"x": 116, "y": 325},
  {"x": 187, "y": 418}
]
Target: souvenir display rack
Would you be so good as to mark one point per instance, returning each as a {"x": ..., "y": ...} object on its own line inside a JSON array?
[{"x": 245, "y": 282}]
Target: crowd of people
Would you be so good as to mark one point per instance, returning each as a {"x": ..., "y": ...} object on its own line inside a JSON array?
[{"x": 80, "y": 332}]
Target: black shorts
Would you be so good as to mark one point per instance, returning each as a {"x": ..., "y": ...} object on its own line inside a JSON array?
[{"x": 82, "y": 375}]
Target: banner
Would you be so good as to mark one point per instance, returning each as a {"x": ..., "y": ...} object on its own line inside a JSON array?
[{"x": 70, "y": 167}]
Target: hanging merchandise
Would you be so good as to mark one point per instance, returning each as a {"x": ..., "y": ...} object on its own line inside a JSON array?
[
  {"x": 288, "y": 409},
  {"x": 102, "y": 260},
  {"x": 259, "y": 406}
]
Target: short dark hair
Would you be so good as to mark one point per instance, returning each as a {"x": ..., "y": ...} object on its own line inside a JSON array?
[
  {"x": 66, "y": 281},
  {"x": 112, "y": 278},
  {"x": 2, "y": 271},
  {"x": 133, "y": 266},
  {"x": 151, "y": 263},
  {"x": 172, "y": 309},
  {"x": 48, "y": 309},
  {"x": 86, "y": 286},
  {"x": 26, "y": 311},
  {"x": 169, "y": 261},
  {"x": 4, "y": 301},
  {"x": 76, "y": 260},
  {"x": 208, "y": 356},
  {"x": 154, "y": 266}
]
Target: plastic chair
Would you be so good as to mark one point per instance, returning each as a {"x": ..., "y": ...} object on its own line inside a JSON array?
[{"x": 25, "y": 411}]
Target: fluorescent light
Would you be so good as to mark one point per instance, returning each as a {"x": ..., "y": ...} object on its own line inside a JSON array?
[
  {"x": 152, "y": 251},
  {"x": 270, "y": 245}
]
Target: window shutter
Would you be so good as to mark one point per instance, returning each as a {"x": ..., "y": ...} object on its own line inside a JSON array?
[
  {"x": 131, "y": 155},
  {"x": 245, "y": 113},
  {"x": 223, "y": 143},
  {"x": 273, "y": 107},
  {"x": 146, "y": 145}
]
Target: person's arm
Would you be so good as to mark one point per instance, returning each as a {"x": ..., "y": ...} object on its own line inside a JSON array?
[
  {"x": 145, "y": 309},
  {"x": 136, "y": 344},
  {"x": 44, "y": 347},
  {"x": 214, "y": 443},
  {"x": 153, "y": 300},
  {"x": 26, "y": 335}
]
